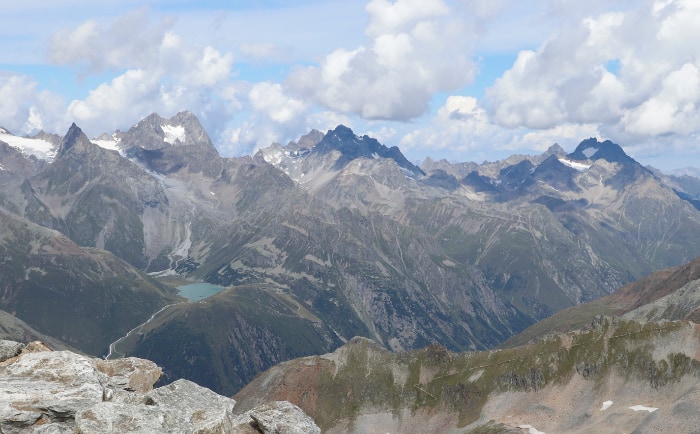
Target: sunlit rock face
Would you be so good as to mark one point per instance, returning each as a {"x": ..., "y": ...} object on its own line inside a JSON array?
[{"x": 60, "y": 391}]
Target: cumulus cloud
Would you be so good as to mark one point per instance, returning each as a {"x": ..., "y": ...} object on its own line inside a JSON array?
[
  {"x": 462, "y": 130},
  {"x": 15, "y": 92},
  {"x": 269, "y": 99},
  {"x": 415, "y": 48},
  {"x": 635, "y": 74},
  {"x": 162, "y": 73},
  {"x": 461, "y": 127},
  {"x": 124, "y": 98},
  {"x": 627, "y": 70},
  {"x": 26, "y": 110},
  {"x": 274, "y": 117},
  {"x": 132, "y": 40}
]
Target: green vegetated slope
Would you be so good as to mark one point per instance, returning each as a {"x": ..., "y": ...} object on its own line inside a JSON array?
[
  {"x": 361, "y": 382},
  {"x": 86, "y": 298},
  {"x": 14, "y": 329},
  {"x": 637, "y": 300},
  {"x": 223, "y": 341}
]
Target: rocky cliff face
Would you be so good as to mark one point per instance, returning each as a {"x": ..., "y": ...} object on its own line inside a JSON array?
[
  {"x": 611, "y": 376},
  {"x": 60, "y": 392}
]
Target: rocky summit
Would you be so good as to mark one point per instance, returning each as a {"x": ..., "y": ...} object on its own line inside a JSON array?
[{"x": 45, "y": 391}]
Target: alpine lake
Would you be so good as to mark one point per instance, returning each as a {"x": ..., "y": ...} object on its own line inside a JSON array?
[{"x": 198, "y": 291}]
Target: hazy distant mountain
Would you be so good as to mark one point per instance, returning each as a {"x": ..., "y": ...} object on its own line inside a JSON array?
[{"x": 343, "y": 236}]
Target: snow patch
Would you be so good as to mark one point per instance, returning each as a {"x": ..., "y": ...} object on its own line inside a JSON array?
[
  {"x": 173, "y": 133},
  {"x": 110, "y": 144},
  {"x": 606, "y": 405},
  {"x": 407, "y": 173},
  {"x": 643, "y": 408},
  {"x": 164, "y": 273},
  {"x": 212, "y": 193},
  {"x": 274, "y": 158},
  {"x": 39, "y": 148},
  {"x": 588, "y": 152},
  {"x": 375, "y": 155},
  {"x": 578, "y": 165},
  {"x": 532, "y": 429},
  {"x": 547, "y": 185}
]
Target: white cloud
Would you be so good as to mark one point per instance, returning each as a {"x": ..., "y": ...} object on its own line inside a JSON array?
[
  {"x": 673, "y": 109},
  {"x": 15, "y": 93},
  {"x": 124, "y": 99},
  {"x": 635, "y": 74},
  {"x": 566, "y": 135},
  {"x": 273, "y": 117},
  {"x": 415, "y": 48},
  {"x": 130, "y": 41},
  {"x": 627, "y": 70},
  {"x": 460, "y": 128},
  {"x": 389, "y": 17},
  {"x": 383, "y": 135},
  {"x": 26, "y": 110},
  {"x": 211, "y": 68},
  {"x": 463, "y": 131},
  {"x": 163, "y": 73},
  {"x": 327, "y": 120},
  {"x": 262, "y": 51},
  {"x": 269, "y": 99}
]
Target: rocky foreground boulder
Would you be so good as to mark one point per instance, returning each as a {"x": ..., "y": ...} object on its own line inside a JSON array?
[{"x": 45, "y": 391}]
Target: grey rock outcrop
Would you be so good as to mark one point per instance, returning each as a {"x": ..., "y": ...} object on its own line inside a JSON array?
[
  {"x": 9, "y": 349},
  {"x": 44, "y": 391},
  {"x": 282, "y": 417}
]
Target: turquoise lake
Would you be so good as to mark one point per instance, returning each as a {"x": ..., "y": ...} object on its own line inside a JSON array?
[{"x": 198, "y": 291}]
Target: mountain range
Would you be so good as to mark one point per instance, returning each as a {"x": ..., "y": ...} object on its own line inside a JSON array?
[
  {"x": 626, "y": 363},
  {"x": 318, "y": 241}
]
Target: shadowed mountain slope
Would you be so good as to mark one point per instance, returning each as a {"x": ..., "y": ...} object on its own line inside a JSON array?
[
  {"x": 668, "y": 294},
  {"x": 84, "y": 297}
]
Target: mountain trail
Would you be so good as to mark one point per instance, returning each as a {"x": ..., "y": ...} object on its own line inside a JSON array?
[{"x": 112, "y": 347}]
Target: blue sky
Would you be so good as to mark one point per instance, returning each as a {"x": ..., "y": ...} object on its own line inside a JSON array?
[{"x": 466, "y": 80}]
